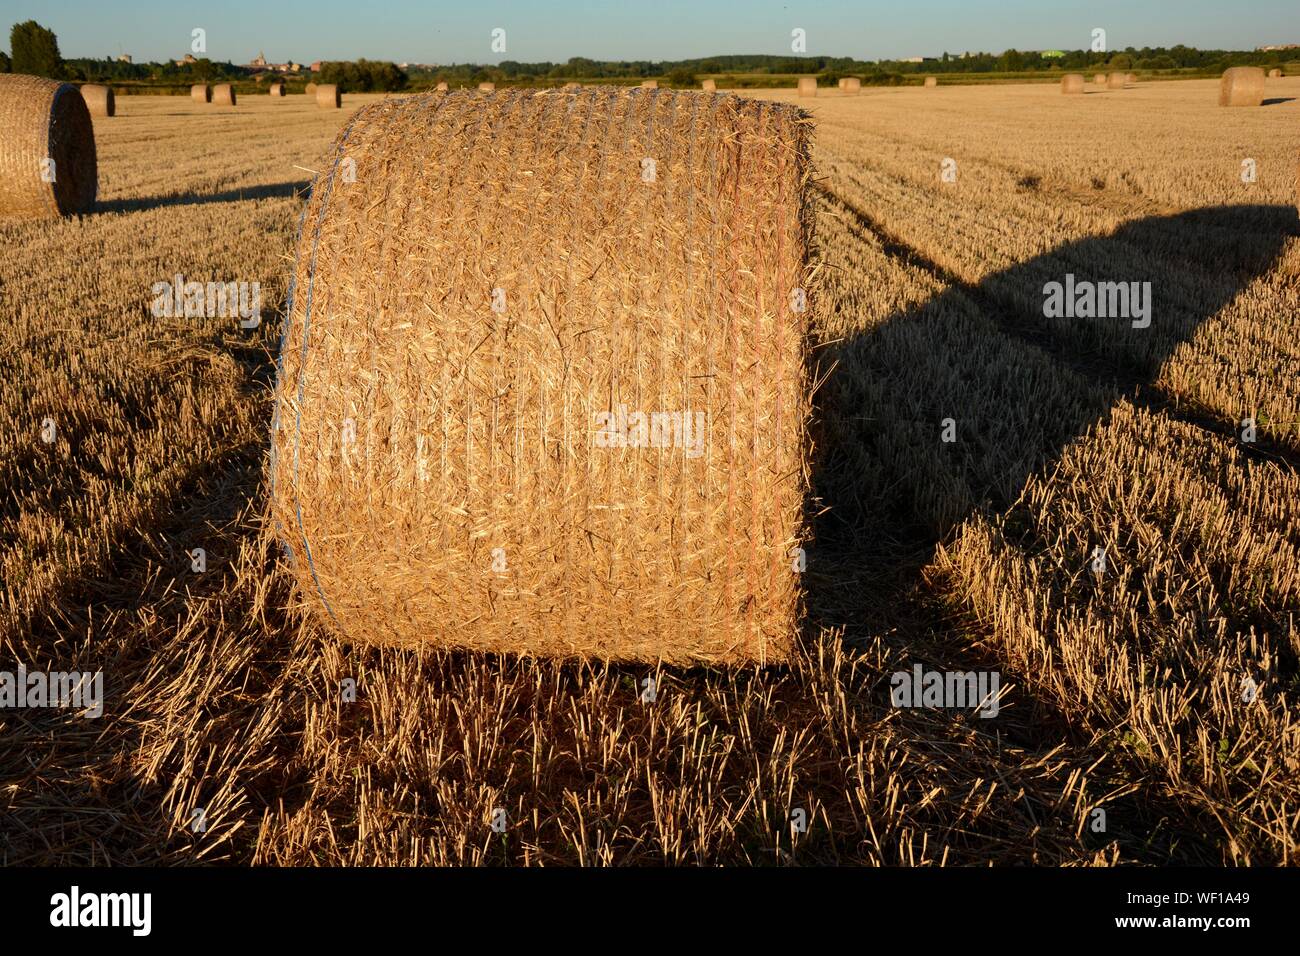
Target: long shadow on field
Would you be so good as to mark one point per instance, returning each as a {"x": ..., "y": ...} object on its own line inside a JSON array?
[
  {"x": 283, "y": 190},
  {"x": 1010, "y": 385}
]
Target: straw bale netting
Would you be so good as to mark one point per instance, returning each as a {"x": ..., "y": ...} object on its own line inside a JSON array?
[
  {"x": 99, "y": 99},
  {"x": 931, "y": 81},
  {"x": 1242, "y": 86},
  {"x": 1073, "y": 83},
  {"x": 1100, "y": 79},
  {"x": 489, "y": 335},
  {"x": 47, "y": 149},
  {"x": 709, "y": 86},
  {"x": 807, "y": 86},
  {"x": 1116, "y": 81},
  {"x": 852, "y": 85},
  {"x": 1275, "y": 74},
  {"x": 276, "y": 89},
  {"x": 487, "y": 87},
  {"x": 441, "y": 87},
  {"x": 649, "y": 84},
  {"x": 223, "y": 94},
  {"x": 328, "y": 96},
  {"x": 201, "y": 93},
  {"x": 310, "y": 89}
]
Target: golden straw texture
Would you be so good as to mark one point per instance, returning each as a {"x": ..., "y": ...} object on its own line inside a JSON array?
[
  {"x": 310, "y": 89},
  {"x": 1100, "y": 79},
  {"x": 1116, "y": 81},
  {"x": 1242, "y": 86},
  {"x": 490, "y": 332},
  {"x": 1073, "y": 83},
  {"x": 807, "y": 86},
  {"x": 223, "y": 94},
  {"x": 486, "y": 87},
  {"x": 328, "y": 96},
  {"x": 201, "y": 93},
  {"x": 277, "y": 89},
  {"x": 709, "y": 86},
  {"x": 47, "y": 149},
  {"x": 442, "y": 87},
  {"x": 852, "y": 85},
  {"x": 931, "y": 81},
  {"x": 99, "y": 99}
]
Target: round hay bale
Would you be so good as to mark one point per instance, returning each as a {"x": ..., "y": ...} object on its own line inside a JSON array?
[
  {"x": 47, "y": 149},
  {"x": 562, "y": 413},
  {"x": 223, "y": 94},
  {"x": 649, "y": 84},
  {"x": 277, "y": 90},
  {"x": 328, "y": 96},
  {"x": 99, "y": 99},
  {"x": 1242, "y": 86},
  {"x": 573, "y": 86},
  {"x": 1116, "y": 81},
  {"x": 310, "y": 89},
  {"x": 852, "y": 85},
  {"x": 807, "y": 86},
  {"x": 487, "y": 87},
  {"x": 709, "y": 86},
  {"x": 1131, "y": 78},
  {"x": 931, "y": 81},
  {"x": 1275, "y": 74},
  {"x": 1100, "y": 79},
  {"x": 1073, "y": 83},
  {"x": 843, "y": 81},
  {"x": 201, "y": 93},
  {"x": 441, "y": 87}
]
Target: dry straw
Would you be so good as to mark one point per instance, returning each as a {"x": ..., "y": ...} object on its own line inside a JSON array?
[
  {"x": 649, "y": 84},
  {"x": 310, "y": 89},
  {"x": 1242, "y": 86},
  {"x": 1100, "y": 79},
  {"x": 1116, "y": 81},
  {"x": 709, "y": 86},
  {"x": 573, "y": 86},
  {"x": 277, "y": 89},
  {"x": 99, "y": 99},
  {"x": 223, "y": 94},
  {"x": 807, "y": 86},
  {"x": 1275, "y": 74},
  {"x": 843, "y": 81},
  {"x": 328, "y": 96},
  {"x": 931, "y": 81},
  {"x": 852, "y": 85},
  {"x": 201, "y": 93},
  {"x": 487, "y": 87},
  {"x": 479, "y": 321},
  {"x": 1131, "y": 78},
  {"x": 47, "y": 149},
  {"x": 442, "y": 87},
  {"x": 1073, "y": 83}
]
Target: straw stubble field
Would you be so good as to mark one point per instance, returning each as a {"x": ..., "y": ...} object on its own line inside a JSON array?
[{"x": 1122, "y": 690}]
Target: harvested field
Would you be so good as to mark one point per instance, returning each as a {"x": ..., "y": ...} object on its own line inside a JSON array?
[{"x": 1097, "y": 532}]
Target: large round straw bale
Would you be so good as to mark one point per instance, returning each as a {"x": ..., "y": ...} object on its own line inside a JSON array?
[
  {"x": 1116, "y": 81},
  {"x": 807, "y": 86},
  {"x": 650, "y": 84},
  {"x": 843, "y": 81},
  {"x": 1131, "y": 78},
  {"x": 543, "y": 386},
  {"x": 1073, "y": 83},
  {"x": 1242, "y": 86},
  {"x": 310, "y": 89},
  {"x": 223, "y": 94},
  {"x": 487, "y": 87},
  {"x": 1100, "y": 79},
  {"x": 277, "y": 89},
  {"x": 99, "y": 99},
  {"x": 47, "y": 149},
  {"x": 1275, "y": 74},
  {"x": 441, "y": 87},
  {"x": 709, "y": 86},
  {"x": 328, "y": 96},
  {"x": 852, "y": 85},
  {"x": 931, "y": 81},
  {"x": 201, "y": 93}
]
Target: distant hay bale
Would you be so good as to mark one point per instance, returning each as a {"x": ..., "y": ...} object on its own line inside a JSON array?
[
  {"x": 1073, "y": 83},
  {"x": 1275, "y": 74},
  {"x": 47, "y": 149},
  {"x": 709, "y": 86},
  {"x": 573, "y": 422},
  {"x": 223, "y": 94},
  {"x": 843, "y": 81},
  {"x": 852, "y": 85},
  {"x": 276, "y": 90},
  {"x": 931, "y": 81},
  {"x": 807, "y": 86},
  {"x": 1242, "y": 86},
  {"x": 1100, "y": 79},
  {"x": 99, "y": 99},
  {"x": 201, "y": 93},
  {"x": 1116, "y": 81},
  {"x": 487, "y": 87},
  {"x": 573, "y": 86},
  {"x": 1131, "y": 78},
  {"x": 442, "y": 87},
  {"x": 649, "y": 84},
  {"x": 328, "y": 96},
  {"x": 310, "y": 89}
]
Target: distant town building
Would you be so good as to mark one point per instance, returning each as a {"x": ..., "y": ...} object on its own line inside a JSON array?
[
  {"x": 186, "y": 60},
  {"x": 1280, "y": 46},
  {"x": 124, "y": 58},
  {"x": 913, "y": 59},
  {"x": 315, "y": 67}
]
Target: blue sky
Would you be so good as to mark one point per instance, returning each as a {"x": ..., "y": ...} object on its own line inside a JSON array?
[{"x": 445, "y": 32}]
